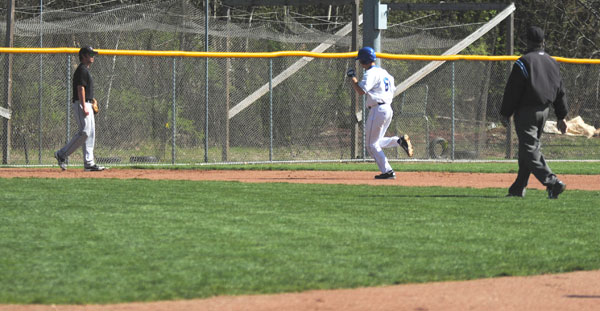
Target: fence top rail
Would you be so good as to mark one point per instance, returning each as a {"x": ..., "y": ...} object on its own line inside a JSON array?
[{"x": 5, "y": 50}]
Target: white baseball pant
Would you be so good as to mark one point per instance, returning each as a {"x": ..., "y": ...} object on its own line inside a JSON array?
[
  {"x": 378, "y": 122},
  {"x": 85, "y": 137}
]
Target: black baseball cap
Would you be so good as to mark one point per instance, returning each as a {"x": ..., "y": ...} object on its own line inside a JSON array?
[
  {"x": 87, "y": 50},
  {"x": 535, "y": 34}
]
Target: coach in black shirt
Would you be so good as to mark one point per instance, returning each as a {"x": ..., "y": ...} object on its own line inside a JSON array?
[{"x": 534, "y": 84}]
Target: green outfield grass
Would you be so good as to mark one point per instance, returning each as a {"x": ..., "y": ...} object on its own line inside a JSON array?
[{"x": 101, "y": 240}]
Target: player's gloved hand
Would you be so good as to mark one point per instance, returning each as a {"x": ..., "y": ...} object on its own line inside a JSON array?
[
  {"x": 351, "y": 73},
  {"x": 505, "y": 121},
  {"x": 95, "y": 107}
]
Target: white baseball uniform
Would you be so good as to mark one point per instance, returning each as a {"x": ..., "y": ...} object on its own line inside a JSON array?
[{"x": 379, "y": 87}]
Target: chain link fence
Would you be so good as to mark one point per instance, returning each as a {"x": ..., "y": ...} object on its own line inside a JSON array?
[
  {"x": 174, "y": 110},
  {"x": 154, "y": 109}
]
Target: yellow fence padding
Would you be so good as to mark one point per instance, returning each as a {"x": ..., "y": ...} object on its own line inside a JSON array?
[{"x": 285, "y": 54}]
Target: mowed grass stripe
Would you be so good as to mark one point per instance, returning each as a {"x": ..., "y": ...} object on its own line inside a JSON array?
[{"x": 101, "y": 241}]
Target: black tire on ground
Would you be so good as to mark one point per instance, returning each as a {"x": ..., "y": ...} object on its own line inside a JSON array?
[{"x": 438, "y": 148}]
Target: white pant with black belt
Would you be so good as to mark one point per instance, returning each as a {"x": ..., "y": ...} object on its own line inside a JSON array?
[
  {"x": 85, "y": 137},
  {"x": 378, "y": 122}
]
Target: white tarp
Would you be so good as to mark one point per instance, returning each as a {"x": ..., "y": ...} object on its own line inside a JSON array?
[
  {"x": 5, "y": 113},
  {"x": 575, "y": 127}
]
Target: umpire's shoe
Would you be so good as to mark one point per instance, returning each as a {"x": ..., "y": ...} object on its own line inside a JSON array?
[
  {"x": 94, "y": 168},
  {"x": 557, "y": 188},
  {"x": 518, "y": 195},
  {"x": 61, "y": 161},
  {"x": 404, "y": 142},
  {"x": 388, "y": 175}
]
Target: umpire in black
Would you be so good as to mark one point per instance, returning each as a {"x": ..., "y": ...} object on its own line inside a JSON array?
[{"x": 534, "y": 84}]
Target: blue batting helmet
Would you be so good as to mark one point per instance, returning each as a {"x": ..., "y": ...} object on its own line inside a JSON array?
[{"x": 366, "y": 55}]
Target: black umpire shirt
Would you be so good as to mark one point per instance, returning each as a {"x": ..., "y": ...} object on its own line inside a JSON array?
[
  {"x": 535, "y": 81},
  {"x": 83, "y": 77}
]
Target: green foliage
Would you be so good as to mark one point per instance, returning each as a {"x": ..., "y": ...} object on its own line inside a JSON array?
[
  {"x": 142, "y": 86},
  {"x": 187, "y": 132},
  {"x": 141, "y": 240},
  {"x": 571, "y": 25}
]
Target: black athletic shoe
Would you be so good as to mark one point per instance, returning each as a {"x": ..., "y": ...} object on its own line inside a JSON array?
[
  {"x": 404, "y": 142},
  {"x": 62, "y": 163},
  {"x": 556, "y": 189},
  {"x": 388, "y": 175},
  {"x": 518, "y": 195},
  {"x": 94, "y": 168}
]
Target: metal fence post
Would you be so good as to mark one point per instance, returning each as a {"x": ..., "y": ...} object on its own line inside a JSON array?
[
  {"x": 396, "y": 131},
  {"x": 206, "y": 82},
  {"x": 364, "y": 126},
  {"x": 270, "y": 109},
  {"x": 40, "y": 110},
  {"x": 41, "y": 81},
  {"x": 510, "y": 50},
  {"x": 69, "y": 95},
  {"x": 453, "y": 129},
  {"x": 174, "y": 113},
  {"x": 427, "y": 146}
]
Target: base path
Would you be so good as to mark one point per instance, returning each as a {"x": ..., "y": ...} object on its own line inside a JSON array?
[
  {"x": 577, "y": 291},
  {"x": 420, "y": 179}
]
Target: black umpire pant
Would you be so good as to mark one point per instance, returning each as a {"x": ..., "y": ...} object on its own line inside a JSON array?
[{"x": 529, "y": 125}]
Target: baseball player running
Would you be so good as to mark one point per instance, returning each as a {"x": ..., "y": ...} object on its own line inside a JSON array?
[
  {"x": 379, "y": 86},
  {"x": 83, "y": 96}
]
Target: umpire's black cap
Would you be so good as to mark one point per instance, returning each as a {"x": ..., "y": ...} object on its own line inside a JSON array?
[
  {"x": 87, "y": 50},
  {"x": 535, "y": 34}
]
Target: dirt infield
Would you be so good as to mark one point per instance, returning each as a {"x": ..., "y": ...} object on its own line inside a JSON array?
[
  {"x": 474, "y": 180},
  {"x": 569, "y": 291}
]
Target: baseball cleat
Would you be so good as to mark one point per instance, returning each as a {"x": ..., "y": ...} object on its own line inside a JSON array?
[
  {"x": 388, "y": 175},
  {"x": 556, "y": 189},
  {"x": 404, "y": 142},
  {"x": 62, "y": 163},
  {"x": 94, "y": 168}
]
